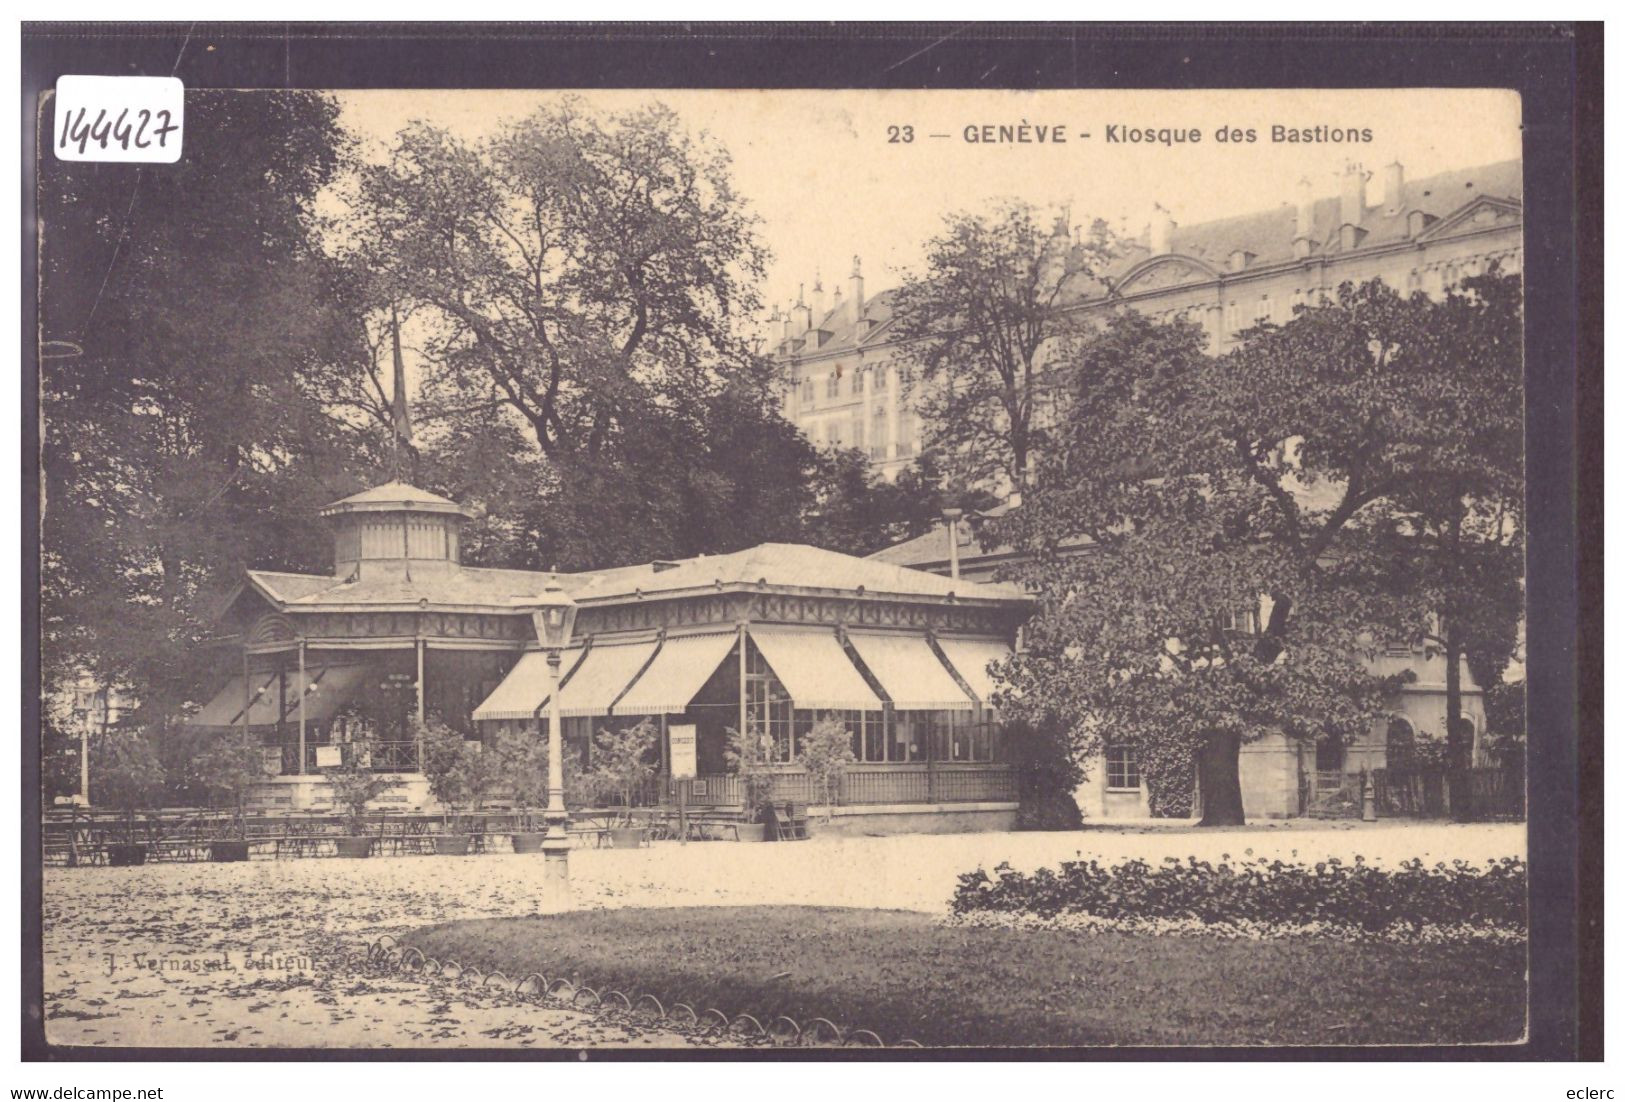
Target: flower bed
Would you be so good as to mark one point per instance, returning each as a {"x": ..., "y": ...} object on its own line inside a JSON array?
[{"x": 1254, "y": 897}]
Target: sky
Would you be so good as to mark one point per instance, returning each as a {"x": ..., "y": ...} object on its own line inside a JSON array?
[{"x": 819, "y": 171}]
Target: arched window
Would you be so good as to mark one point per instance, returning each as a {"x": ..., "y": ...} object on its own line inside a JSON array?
[{"x": 1401, "y": 743}]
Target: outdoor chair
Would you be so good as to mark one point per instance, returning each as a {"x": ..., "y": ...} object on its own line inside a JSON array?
[{"x": 793, "y": 825}]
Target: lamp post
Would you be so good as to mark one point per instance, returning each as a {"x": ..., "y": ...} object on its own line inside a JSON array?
[{"x": 554, "y": 617}]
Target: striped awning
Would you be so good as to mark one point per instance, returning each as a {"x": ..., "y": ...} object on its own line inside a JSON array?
[
  {"x": 971, "y": 658},
  {"x": 526, "y": 686},
  {"x": 602, "y": 676},
  {"x": 680, "y": 669},
  {"x": 327, "y": 689},
  {"x": 226, "y": 709},
  {"x": 910, "y": 672},
  {"x": 814, "y": 669}
]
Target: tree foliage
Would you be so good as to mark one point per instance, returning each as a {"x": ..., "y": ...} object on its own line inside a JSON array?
[
  {"x": 621, "y": 758},
  {"x": 190, "y": 427},
  {"x": 1256, "y": 525},
  {"x": 981, "y": 322},
  {"x": 825, "y": 752},
  {"x": 858, "y": 511}
]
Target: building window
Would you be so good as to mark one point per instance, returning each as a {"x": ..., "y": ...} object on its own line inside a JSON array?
[
  {"x": 1261, "y": 313},
  {"x": 809, "y": 392},
  {"x": 858, "y": 384},
  {"x": 1232, "y": 317},
  {"x": 768, "y": 709},
  {"x": 832, "y": 385},
  {"x": 1122, "y": 768},
  {"x": 878, "y": 424},
  {"x": 881, "y": 381}
]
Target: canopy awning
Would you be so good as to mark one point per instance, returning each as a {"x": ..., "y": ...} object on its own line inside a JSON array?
[
  {"x": 327, "y": 689},
  {"x": 226, "y": 709},
  {"x": 602, "y": 676},
  {"x": 971, "y": 658},
  {"x": 525, "y": 687},
  {"x": 910, "y": 672},
  {"x": 680, "y": 669},
  {"x": 814, "y": 670}
]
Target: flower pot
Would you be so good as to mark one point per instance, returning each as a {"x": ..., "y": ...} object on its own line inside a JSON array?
[
  {"x": 752, "y": 832},
  {"x": 352, "y": 846},
  {"x": 452, "y": 845},
  {"x": 228, "y": 849},
  {"x": 120, "y": 854},
  {"x": 530, "y": 842},
  {"x": 626, "y": 837}
]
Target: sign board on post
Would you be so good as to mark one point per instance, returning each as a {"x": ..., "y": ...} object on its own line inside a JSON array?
[
  {"x": 684, "y": 750},
  {"x": 329, "y": 757}
]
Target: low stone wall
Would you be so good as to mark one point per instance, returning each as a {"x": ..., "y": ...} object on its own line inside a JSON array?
[{"x": 872, "y": 819}]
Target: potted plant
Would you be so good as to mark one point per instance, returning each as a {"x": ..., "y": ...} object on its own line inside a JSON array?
[
  {"x": 523, "y": 757},
  {"x": 355, "y": 785},
  {"x": 128, "y": 775},
  {"x": 460, "y": 777},
  {"x": 825, "y": 752},
  {"x": 750, "y": 756},
  {"x": 225, "y": 770},
  {"x": 621, "y": 766}
]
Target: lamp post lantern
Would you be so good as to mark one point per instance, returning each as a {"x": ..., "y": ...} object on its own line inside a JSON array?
[{"x": 554, "y": 617}]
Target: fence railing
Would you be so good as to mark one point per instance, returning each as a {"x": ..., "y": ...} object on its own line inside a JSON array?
[
  {"x": 889, "y": 784},
  {"x": 1487, "y": 792},
  {"x": 387, "y": 757}
]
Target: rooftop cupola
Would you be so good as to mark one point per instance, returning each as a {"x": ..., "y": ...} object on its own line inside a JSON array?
[{"x": 395, "y": 530}]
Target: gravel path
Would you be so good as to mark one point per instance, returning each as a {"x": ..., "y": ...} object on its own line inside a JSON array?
[{"x": 268, "y": 953}]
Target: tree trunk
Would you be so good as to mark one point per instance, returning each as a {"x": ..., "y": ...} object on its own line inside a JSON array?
[{"x": 1219, "y": 766}]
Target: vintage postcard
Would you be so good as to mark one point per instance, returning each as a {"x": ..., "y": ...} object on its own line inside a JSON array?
[{"x": 719, "y": 569}]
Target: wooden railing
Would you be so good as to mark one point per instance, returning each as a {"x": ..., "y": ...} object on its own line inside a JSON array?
[{"x": 1488, "y": 792}]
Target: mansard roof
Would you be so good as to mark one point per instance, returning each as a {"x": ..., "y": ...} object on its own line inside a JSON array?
[{"x": 1446, "y": 199}]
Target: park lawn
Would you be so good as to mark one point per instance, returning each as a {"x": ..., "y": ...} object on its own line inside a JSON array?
[{"x": 902, "y": 975}]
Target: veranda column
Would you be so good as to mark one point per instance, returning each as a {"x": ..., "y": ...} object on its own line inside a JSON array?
[
  {"x": 303, "y": 692},
  {"x": 420, "y": 701}
]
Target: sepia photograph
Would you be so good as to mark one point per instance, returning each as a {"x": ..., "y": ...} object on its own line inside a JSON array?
[{"x": 730, "y": 569}]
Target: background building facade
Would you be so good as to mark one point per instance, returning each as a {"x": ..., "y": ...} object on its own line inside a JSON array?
[{"x": 848, "y": 386}]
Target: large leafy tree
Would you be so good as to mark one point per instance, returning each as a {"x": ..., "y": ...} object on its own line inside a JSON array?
[
  {"x": 190, "y": 322},
  {"x": 980, "y": 322},
  {"x": 577, "y": 287},
  {"x": 571, "y": 271},
  {"x": 1257, "y": 524}
]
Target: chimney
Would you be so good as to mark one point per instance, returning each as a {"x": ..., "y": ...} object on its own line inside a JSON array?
[
  {"x": 951, "y": 516},
  {"x": 1353, "y": 197},
  {"x": 1393, "y": 189},
  {"x": 1162, "y": 231},
  {"x": 1303, "y": 233},
  {"x": 818, "y": 299},
  {"x": 789, "y": 320},
  {"x": 855, "y": 292},
  {"x": 803, "y": 314}
]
